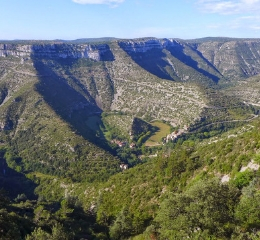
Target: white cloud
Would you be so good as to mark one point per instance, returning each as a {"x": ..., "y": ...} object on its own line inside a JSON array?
[
  {"x": 244, "y": 22},
  {"x": 229, "y": 6},
  {"x": 98, "y": 1},
  {"x": 241, "y": 16}
]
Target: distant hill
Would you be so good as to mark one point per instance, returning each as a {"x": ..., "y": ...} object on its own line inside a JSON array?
[{"x": 91, "y": 40}]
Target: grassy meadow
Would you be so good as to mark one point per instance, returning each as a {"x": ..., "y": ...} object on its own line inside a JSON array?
[{"x": 156, "y": 138}]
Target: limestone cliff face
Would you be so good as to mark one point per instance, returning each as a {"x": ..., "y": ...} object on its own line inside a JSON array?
[
  {"x": 91, "y": 51},
  {"x": 95, "y": 52},
  {"x": 142, "y": 46},
  {"x": 15, "y": 50},
  {"x": 230, "y": 59},
  {"x": 201, "y": 60},
  {"x": 235, "y": 59}
]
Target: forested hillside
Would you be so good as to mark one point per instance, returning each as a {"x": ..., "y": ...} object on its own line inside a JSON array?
[{"x": 130, "y": 139}]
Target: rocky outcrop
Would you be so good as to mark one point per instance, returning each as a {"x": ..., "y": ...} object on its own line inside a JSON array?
[
  {"x": 15, "y": 50},
  {"x": 95, "y": 52},
  {"x": 231, "y": 59},
  {"x": 234, "y": 58},
  {"x": 144, "y": 45},
  {"x": 201, "y": 60}
]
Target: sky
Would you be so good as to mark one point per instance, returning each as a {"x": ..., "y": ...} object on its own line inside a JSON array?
[{"x": 75, "y": 19}]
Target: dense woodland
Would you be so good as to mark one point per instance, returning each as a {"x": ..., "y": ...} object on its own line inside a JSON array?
[{"x": 173, "y": 196}]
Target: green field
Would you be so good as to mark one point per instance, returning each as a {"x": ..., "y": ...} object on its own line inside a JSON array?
[{"x": 156, "y": 138}]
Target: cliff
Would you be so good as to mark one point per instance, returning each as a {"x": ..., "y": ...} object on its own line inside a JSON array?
[
  {"x": 95, "y": 52},
  {"x": 144, "y": 45},
  {"x": 227, "y": 59},
  {"x": 236, "y": 58},
  {"x": 173, "y": 59}
]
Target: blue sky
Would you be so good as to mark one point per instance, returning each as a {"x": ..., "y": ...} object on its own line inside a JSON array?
[{"x": 73, "y": 19}]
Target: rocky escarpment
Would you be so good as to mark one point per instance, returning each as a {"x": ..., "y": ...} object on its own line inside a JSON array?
[
  {"x": 170, "y": 59},
  {"x": 144, "y": 45},
  {"x": 96, "y": 52},
  {"x": 227, "y": 59},
  {"x": 173, "y": 59},
  {"x": 234, "y": 58}
]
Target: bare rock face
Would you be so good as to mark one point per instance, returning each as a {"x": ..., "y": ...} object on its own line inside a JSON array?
[
  {"x": 235, "y": 58},
  {"x": 142, "y": 46},
  {"x": 232, "y": 58},
  {"x": 95, "y": 52},
  {"x": 15, "y": 50}
]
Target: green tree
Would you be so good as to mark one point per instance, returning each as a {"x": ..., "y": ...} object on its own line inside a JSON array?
[
  {"x": 58, "y": 233},
  {"x": 121, "y": 228},
  {"x": 247, "y": 212},
  {"x": 38, "y": 234},
  {"x": 206, "y": 209},
  {"x": 242, "y": 179},
  {"x": 65, "y": 209}
]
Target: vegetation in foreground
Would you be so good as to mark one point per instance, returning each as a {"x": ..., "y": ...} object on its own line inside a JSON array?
[
  {"x": 67, "y": 126},
  {"x": 176, "y": 195}
]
